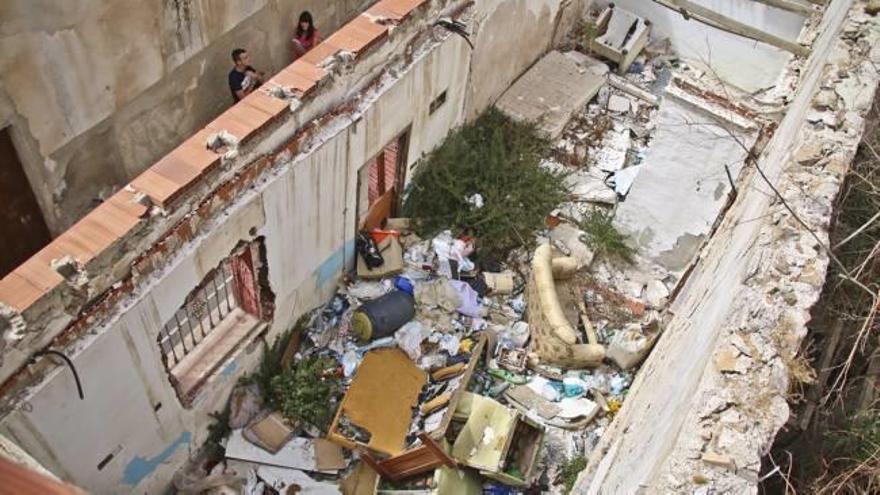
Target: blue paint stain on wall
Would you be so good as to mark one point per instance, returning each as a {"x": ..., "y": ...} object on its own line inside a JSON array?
[
  {"x": 139, "y": 468},
  {"x": 332, "y": 267},
  {"x": 229, "y": 369}
]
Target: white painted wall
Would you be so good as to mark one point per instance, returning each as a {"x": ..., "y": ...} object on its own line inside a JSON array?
[
  {"x": 305, "y": 211},
  {"x": 745, "y": 63},
  {"x": 306, "y": 214}
]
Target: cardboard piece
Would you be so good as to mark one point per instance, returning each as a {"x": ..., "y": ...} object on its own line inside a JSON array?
[
  {"x": 382, "y": 410},
  {"x": 392, "y": 253},
  {"x": 328, "y": 455},
  {"x": 284, "y": 479},
  {"x": 270, "y": 433}
]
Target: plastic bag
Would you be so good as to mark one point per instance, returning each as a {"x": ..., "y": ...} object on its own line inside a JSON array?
[{"x": 409, "y": 338}]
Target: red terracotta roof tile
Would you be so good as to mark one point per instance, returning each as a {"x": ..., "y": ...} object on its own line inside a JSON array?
[
  {"x": 158, "y": 188},
  {"x": 126, "y": 202},
  {"x": 242, "y": 121},
  {"x": 195, "y": 153},
  {"x": 113, "y": 219},
  {"x": 40, "y": 274},
  {"x": 18, "y": 293},
  {"x": 317, "y": 55},
  {"x": 358, "y": 35},
  {"x": 396, "y": 10},
  {"x": 268, "y": 104},
  {"x": 288, "y": 78}
]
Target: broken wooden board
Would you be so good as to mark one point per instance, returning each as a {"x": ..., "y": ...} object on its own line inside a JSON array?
[
  {"x": 553, "y": 89},
  {"x": 477, "y": 351},
  {"x": 384, "y": 411},
  {"x": 528, "y": 398}
]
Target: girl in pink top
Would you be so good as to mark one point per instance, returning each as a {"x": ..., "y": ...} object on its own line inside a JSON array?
[{"x": 306, "y": 36}]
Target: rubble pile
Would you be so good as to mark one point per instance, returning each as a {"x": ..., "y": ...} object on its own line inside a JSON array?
[{"x": 462, "y": 372}]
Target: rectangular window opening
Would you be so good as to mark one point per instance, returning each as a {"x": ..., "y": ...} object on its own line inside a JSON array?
[{"x": 220, "y": 314}]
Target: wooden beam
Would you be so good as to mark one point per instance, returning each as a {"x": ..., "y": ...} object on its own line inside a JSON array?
[
  {"x": 709, "y": 17},
  {"x": 796, "y": 6}
]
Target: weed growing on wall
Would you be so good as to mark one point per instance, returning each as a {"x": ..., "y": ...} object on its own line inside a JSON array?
[
  {"x": 498, "y": 159},
  {"x": 604, "y": 238},
  {"x": 570, "y": 471}
]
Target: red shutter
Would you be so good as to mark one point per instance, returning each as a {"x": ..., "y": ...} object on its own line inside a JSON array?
[{"x": 246, "y": 282}]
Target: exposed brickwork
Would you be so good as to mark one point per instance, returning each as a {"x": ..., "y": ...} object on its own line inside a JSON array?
[{"x": 166, "y": 184}]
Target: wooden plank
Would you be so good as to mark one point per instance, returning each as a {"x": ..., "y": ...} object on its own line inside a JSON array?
[
  {"x": 477, "y": 351},
  {"x": 709, "y": 17}
]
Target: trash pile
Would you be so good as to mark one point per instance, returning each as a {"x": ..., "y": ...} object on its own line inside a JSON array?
[
  {"x": 448, "y": 382},
  {"x": 456, "y": 372}
]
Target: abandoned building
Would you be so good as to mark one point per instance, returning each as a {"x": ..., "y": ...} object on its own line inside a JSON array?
[{"x": 206, "y": 297}]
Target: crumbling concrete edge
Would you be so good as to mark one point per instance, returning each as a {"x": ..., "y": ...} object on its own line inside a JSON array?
[{"x": 712, "y": 396}]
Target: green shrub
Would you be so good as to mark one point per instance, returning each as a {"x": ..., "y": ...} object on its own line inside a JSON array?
[
  {"x": 308, "y": 391},
  {"x": 498, "y": 159}
]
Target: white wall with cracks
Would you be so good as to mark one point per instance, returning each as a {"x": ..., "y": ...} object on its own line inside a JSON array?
[
  {"x": 304, "y": 211},
  {"x": 717, "y": 381},
  {"x": 121, "y": 366},
  {"x": 747, "y": 64}
]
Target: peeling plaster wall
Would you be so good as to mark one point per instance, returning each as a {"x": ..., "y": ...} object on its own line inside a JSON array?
[
  {"x": 745, "y": 63},
  {"x": 121, "y": 367},
  {"x": 748, "y": 297},
  {"x": 96, "y": 91},
  {"x": 511, "y": 36}
]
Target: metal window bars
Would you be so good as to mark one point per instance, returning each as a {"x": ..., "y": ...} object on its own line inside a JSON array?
[{"x": 204, "y": 309}]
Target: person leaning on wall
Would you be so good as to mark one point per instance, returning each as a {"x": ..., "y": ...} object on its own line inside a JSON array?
[
  {"x": 305, "y": 36},
  {"x": 243, "y": 78}
]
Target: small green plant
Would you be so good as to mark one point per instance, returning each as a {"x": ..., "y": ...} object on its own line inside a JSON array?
[
  {"x": 604, "y": 238},
  {"x": 860, "y": 441},
  {"x": 570, "y": 471},
  {"x": 307, "y": 391},
  {"x": 585, "y": 33},
  {"x": 271, "y": 362},
  {"x": 499, "y": 159},
  {"x": 217, "y": 431}
]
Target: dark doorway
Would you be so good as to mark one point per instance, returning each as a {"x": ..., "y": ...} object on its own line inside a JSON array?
[{"x": 23, "y": 230}]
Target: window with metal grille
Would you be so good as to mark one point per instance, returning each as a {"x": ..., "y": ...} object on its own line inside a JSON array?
[
  {"x": 216, "y": 317},
  {"x": 199, "y": 316}
]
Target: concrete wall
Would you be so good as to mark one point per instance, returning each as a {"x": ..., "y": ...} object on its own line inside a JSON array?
[
  {"x": 745, "y": 63},
  {"x": 511, "y": 36},
  {"x": 96, "y": 91},
  {"x": 749, "y": 296},
  {"x": 303, "y": 208},
  {"x": 121, "y": 368}
]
